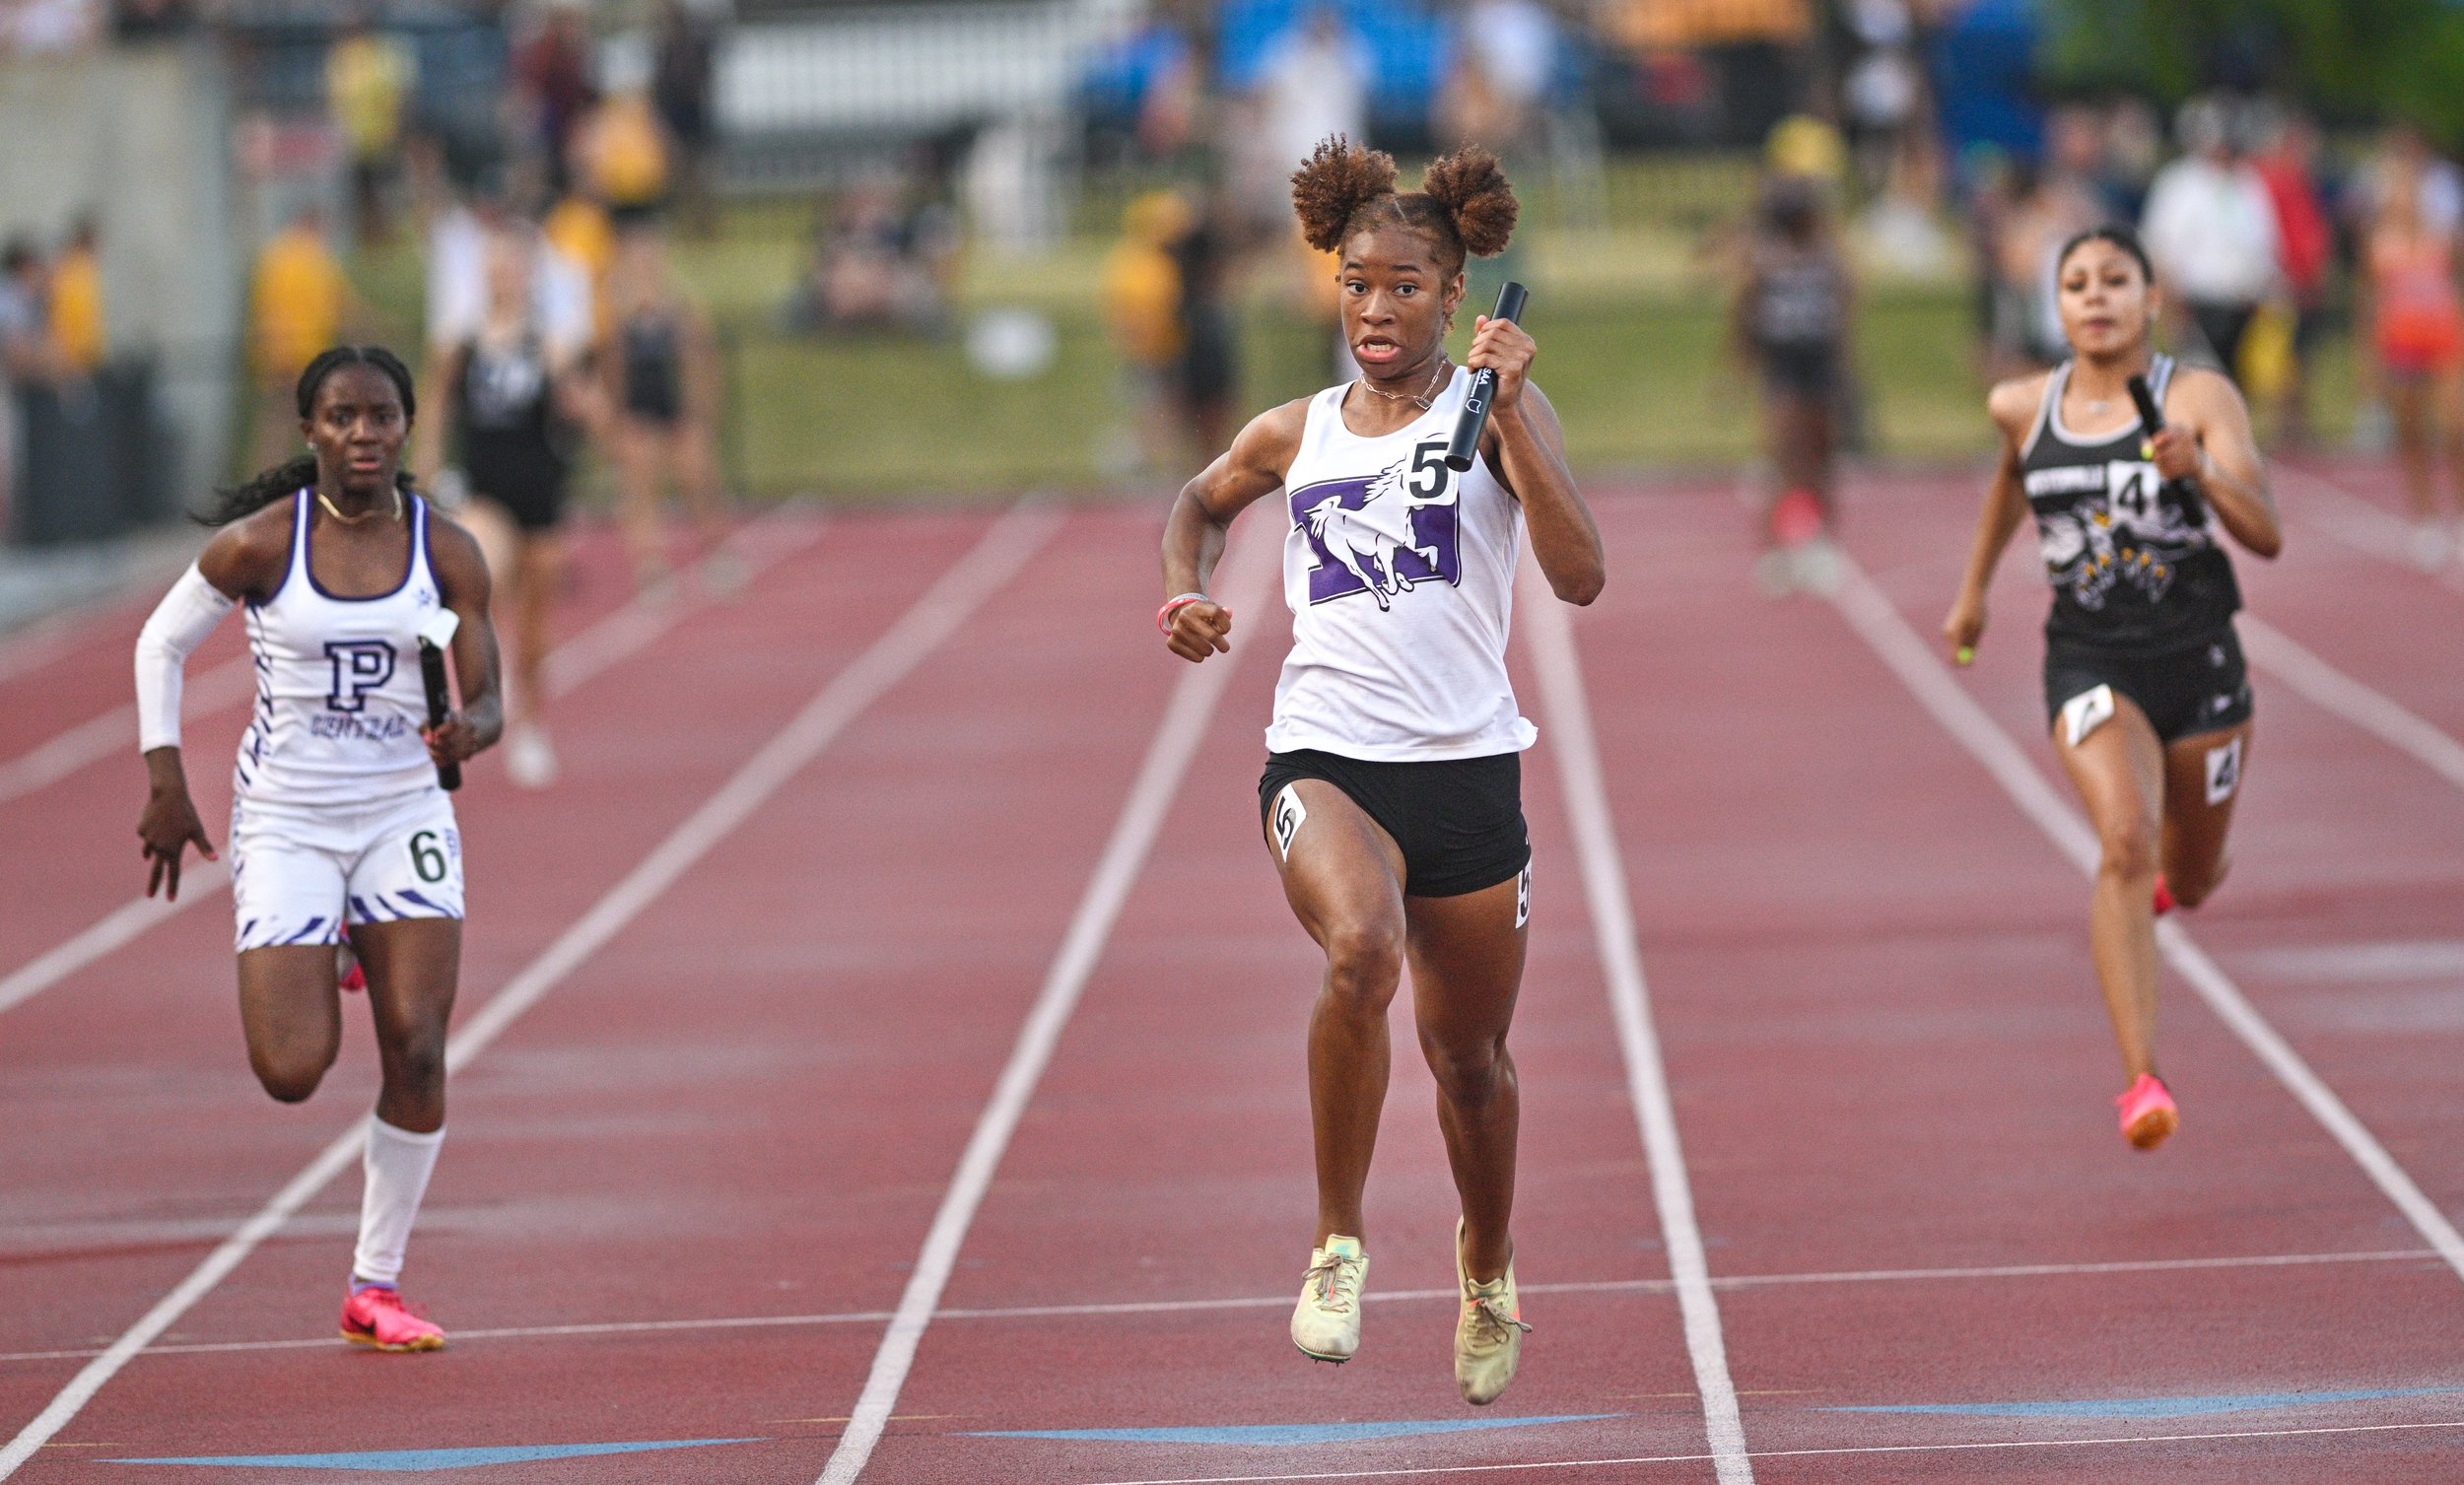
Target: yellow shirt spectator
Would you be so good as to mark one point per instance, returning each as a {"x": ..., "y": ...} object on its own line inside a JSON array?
[
  {"x": 366, "y": 78},
  {"x": 77, "y": 326},
  {"x": 625, "y": 154},
  {"x": 1142, "y": 283},
  {"x": 297, "y": 301}
]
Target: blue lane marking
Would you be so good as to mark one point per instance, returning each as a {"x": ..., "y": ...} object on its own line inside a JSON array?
[
  {"x": 1271, "y": 1434},
  {"x": 2149, "y": 1407},
  {"x": 405, "y": 1460}
]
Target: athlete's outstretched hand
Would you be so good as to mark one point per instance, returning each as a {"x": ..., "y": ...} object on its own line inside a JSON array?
[
  {"x": 452, "y": 740},
  {"x": 164, "y": 831},
  {"x": 1200, "y": 630},
  {"x": 1501, "y": 344},
  {"x": 1966, "y": 624}
]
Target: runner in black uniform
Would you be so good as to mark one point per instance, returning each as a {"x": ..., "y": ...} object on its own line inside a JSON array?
[
  {"x": 516, "y": 400},
  {"x": 2144, "y": 680}
]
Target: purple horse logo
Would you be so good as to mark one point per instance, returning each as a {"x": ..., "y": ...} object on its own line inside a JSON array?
[{"x": 1383, "y": 533}]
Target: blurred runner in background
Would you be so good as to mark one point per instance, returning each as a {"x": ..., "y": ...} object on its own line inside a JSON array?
[
  {"x": 662, "y": 383},
  {"x": 1788, "y": 321},
  {"x": 511, "y": 399},
  {"x": 2417, "y": 330}
]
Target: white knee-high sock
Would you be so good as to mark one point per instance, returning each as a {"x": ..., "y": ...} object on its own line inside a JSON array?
[{"x": 397, "y": 1163}]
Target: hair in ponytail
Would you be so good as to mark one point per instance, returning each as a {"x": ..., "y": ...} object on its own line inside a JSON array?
[
  {"x": 299, "y": 472},
  {"x": 1463, "y": 204}
]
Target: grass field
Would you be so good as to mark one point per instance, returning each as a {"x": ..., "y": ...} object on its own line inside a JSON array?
[{"x": 1629, "y": 321}]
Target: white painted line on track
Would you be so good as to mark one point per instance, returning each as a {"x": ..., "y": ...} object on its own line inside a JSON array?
[
  {"x": 2363, "y": 526},
  {"x": 1242, "y": 583},
  {"x": 463, "y": 1334},
  {"x": 617, "y": 636},
  {"x": 614, "y": 636},
  {"x": 1804, "y": 1454},
  {"x": 2374, "y": 711},
  {"x": 951, "y": 600},
  {"x": 1576, "y": 747},
  {"x": 1891, "y": 637}
]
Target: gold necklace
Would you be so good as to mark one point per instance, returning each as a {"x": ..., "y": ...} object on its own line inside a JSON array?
[
  {"x": 353, "y": 520},
  {"x": 1422, "y": 401}
]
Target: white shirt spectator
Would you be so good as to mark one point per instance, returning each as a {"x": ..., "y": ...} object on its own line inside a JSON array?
[
  {"x": 2211, "y": 230},
  {"x": 1517, "y": 41},
  {"x": 1315, "y": 84}
]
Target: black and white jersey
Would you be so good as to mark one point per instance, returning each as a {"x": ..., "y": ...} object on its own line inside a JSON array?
[{"x": 2132, "y": 559}]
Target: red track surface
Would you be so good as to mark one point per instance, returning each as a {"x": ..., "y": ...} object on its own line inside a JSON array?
[{"x": 1868, "y": 970}]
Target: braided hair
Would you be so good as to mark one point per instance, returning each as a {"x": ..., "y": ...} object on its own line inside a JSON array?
[
  {"x": 271, "y": 485},
  {"x": 1463, "y": 204}
]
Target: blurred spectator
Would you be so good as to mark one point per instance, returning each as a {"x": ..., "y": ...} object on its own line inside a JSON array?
[
  {"x": 2078, "y": 166},
  {"x": 880, "y": 261},
  {"x": 581, "y": 237},
  {"x": 49, "y": 28},
  {"x": 2288, "y": 164},
  {"x": 297, "y": 302},
  {"x": 2134, "y": 150},
  {"x": 1315, "y": 85},
  {"x": 2211, "y": 230},
  {"x": 1207, "y": 373},
  {"x": 368, "y": 75},
  {"x": 681, "y": 67},
  {"x": 1885, "y": 87},
  {"x": 2417, "y": 334},
  {"x": 78, "y": 328},
  {"x": 1788, "y": 321},
  {"x": 2039, "y": 212},
  {"x": 26, "y": 359},
  {"x": 621, "y": 155},
  {"x": 662, "y": 394},
  {"x": 1496, "y": 93},
  {"x": 557, "y": 85},
  {"x": 1141, "y": 296}
]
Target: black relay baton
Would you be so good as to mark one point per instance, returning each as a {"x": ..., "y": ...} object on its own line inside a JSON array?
[
  {"x": 2152, "y": 417},
  {"x": 1474, "y": 414},
  {"x": 434, "y": 637}
]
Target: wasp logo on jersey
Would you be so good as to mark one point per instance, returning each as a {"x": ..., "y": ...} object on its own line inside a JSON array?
[
  {"x": 1383, "y": 533},
  {"x": 2109, "y": 524},
  {"x": 360, "y": 667}
]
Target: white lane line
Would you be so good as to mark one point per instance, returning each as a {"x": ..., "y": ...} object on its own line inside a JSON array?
[
  {"x": 1577, "y": 751},
  {"x": 586, "y": 654},
  {"x": 1891, "y": 637},
  {"x": 2340, "y": 694},
  {"x": 465, "y": 1334},
  {"x": 1804, "y": 1454},
  {"x": 2361, "y": 524},
  {"x": 951, "y": 600},
  {"x": 1242, "y": 584},
  {"x": 619, "y": 635}
]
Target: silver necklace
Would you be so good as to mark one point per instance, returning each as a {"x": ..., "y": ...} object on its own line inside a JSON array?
[{"x": 1427, "y": 393}]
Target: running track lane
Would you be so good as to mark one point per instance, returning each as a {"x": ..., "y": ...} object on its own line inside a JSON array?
[
  {"x": 1875, "y": 972},
  {"x": 725, "y": 1153},
  {"x": 173, "y": 1062}
]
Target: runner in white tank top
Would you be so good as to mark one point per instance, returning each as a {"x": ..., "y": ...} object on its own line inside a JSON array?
[
  {"x": 336, "y": 815},
  {"x": 1391, "y": 796}
]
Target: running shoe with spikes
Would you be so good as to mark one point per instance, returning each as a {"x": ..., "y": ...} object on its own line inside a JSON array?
[
  {"x": 2164, "y": 903},
  {"x": 2149, "y": 1116},
  {"x": 1489, "y": 1331},
  {"x": 348, "y": 974},
  {"x": 376, "y": 1316},
  {"x": 1325, "y": 1324}
]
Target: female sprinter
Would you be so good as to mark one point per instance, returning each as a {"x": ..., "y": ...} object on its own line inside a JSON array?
[
  {"x": 513, "y": 395},
  {"x": 2144, "y": 681},
  {"x": 336, "y": 817},
  {"x": 662, "y": 395},
  {"x": 1392, "y": 800}
]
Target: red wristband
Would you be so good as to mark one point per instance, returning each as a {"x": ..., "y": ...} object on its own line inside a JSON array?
[{"x": 1163, "y": 616}]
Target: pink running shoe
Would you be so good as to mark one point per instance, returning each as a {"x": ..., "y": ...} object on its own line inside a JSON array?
[
  {"x": 375, "y": 1316},
  {"x": 2149, "y": 1116},
  {"x": 2164, "y": 903},
  {"x": 349, "y": 976}
]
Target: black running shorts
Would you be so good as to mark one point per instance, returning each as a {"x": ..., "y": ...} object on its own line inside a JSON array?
[
  {"x": 2201, "y": 686},
  {"x": 1458, "y": 819}
]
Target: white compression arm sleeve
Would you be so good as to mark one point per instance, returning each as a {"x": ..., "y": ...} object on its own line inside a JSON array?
[{"x": 180, "y": 623}]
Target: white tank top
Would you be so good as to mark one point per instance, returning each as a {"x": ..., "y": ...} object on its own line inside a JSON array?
[
  {"x": 1400, "y": 573},
  {"x": 339, "y": 700}
]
